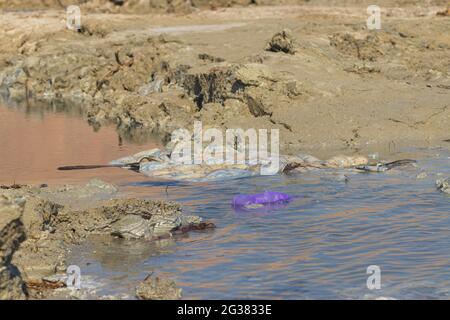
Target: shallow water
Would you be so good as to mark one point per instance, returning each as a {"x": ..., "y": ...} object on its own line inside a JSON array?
[
  {"x": 317, "y": 246},
  {"x": 34, "y": 142}
]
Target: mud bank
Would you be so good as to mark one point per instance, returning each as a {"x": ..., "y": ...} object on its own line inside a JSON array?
[
  {"x": 12, "y": 233},
  {"x": 338, "y": 87},
  {"x": 54, "y": 220}
]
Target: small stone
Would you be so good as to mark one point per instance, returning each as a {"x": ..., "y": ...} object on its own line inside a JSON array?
[
  {"x": 154, "y": 288},
  {"x": 282, "y": 42},
  {"x": 443, "y": 185}
]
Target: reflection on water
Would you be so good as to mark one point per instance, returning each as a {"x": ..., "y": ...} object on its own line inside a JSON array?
[
  {"x": 318, "y": 246},
  {"x": 34, "y": 142}
]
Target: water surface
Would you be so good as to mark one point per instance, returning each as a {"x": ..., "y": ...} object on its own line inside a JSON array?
[
  {"x": 34, "y": 142},
  {"x": 317, "y": 247}
]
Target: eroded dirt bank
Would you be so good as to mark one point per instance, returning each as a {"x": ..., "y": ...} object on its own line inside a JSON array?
[
  {"x": 12, "y": 233},
  {"x": 339, "y": 87},
  {"x": 50, "y": 221}
]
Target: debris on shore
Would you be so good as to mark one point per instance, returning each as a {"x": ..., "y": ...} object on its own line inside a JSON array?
[
  {"x": 385, "y": 166},
  {"x": 260, "y": 199},
  {"x": 158, "y": 163}
]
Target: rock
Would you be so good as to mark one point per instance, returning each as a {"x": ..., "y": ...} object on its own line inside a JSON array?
[
  {"x": 12, "y": 233},
  {"x": 130, "y": 219},
  {"x": 132, "y": 227},
  {"x": 154, "y": 226},
  {"x": 164, "y": 225},
  {"x": 443, "y": 185},
  {"x": 282, "y": 42},
  {"x": 154, "y": 288}
]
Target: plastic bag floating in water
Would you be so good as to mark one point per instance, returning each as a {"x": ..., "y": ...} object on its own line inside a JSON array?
[{"x": 260, "y": 199}]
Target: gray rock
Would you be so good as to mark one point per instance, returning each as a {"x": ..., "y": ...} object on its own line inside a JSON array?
[
  {"x": 132, "y": 227},
  {"x": 164, "y": 224},
  {"x": 443, "y": 185}
]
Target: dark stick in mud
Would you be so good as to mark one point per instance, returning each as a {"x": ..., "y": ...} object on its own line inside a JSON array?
[{"x": 131, "y": 166}]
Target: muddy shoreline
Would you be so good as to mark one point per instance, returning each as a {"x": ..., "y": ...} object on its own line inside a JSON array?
[
  {"x": 41, "y": 225},
  {"x": 343, "y": 87}
]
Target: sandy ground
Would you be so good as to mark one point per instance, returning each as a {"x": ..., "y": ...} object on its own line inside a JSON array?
[{"x": 345, "y": 88}]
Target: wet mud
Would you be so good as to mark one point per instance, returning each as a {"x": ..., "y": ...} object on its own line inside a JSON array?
[{"x": 47, "y": 222}]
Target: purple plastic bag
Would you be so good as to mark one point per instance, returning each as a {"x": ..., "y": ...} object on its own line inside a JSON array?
[{"x": 268, "y": 197}]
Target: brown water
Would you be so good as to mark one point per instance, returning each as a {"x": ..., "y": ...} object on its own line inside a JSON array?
[{"x": 34, "y": 143}]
